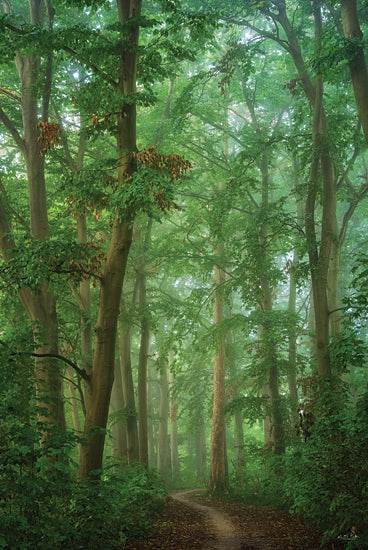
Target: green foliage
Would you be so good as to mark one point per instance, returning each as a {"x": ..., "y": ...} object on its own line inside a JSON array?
[
  {"x": 357, "y": 301},
  {"x": 327, "y": 477},
  {"x": 347, "y": 350},
  {"x": 123, "y": 505},
  {"x": 42, "y": 503},
  {"x": 257, "y": 480},
  {"x": 35, "y": 262}
]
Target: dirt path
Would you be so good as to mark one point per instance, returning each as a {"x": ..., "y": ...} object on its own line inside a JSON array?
[
  {"x": 227, "y": 536},
  {"x": 192, "y": 521}
]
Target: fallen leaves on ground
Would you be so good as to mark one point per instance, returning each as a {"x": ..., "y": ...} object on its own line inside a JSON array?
[
  {"x": 260, "y": 528},
  {"x": 179, "y": 527},
  {"x": 266, "y": 527}
]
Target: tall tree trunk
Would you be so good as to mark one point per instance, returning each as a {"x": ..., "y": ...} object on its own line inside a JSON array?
[
  {"x": 73, "y": 400},
  {"x": 128, "y": 392},
  {"x": 163, "y": 452},
  {"x": 118, "y": 426},
  {"x": 292, "y": 352},
  {"x": 218, "y": 434},
  {"x": 173, "y": 409},
  {"x": 151, "y": 425},
  {"x": 319, "y": 257},
  {"x": 142, "y": 379},
  {"x": 41, "y": 306},
  {"x": 143, "y": 354},
  {"x": 100, "y": 381},
  {"x": 201, "y": 451},
  {"x": 292, "y": 367}
]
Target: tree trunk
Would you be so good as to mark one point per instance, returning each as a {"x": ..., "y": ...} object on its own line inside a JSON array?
[
  {"x": 163, "y": 453},
  {"x": 201, "y": 452},
  {"x": 218, "y": 434},
  {"x": 99, "y": 386},
  {"x": 128, "y": 392},
  {"x": 173, "y": 408},
  {"x": 357, "y": 64},
  {"x": 73, "y": 400},
  {"x": 319, "y": 258},
  {"x": 143, "y": 350},
  {"x": 142, "y": 376},
  {"x": 40, "y": 307},
  {"x": 292, "y": 368},
  {"x": 118, "y": 426},
  {"x": 151, "y": 425},
  {"x": 101, "y": 379}
]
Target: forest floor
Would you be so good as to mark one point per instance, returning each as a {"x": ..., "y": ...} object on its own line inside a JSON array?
[{"x": 191, "y": 521}]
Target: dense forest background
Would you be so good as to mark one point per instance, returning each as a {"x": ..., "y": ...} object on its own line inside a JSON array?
[{"x": 184, "y": 262}]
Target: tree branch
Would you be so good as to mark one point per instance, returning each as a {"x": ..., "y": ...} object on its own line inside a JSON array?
[
  {"x": 10, "y": 94},
  {"x": 82, "y": 373},
  {"x": 12, "y": 129}
]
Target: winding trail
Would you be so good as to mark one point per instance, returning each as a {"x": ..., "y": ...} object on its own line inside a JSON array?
[{"x": 228, "y": 538}]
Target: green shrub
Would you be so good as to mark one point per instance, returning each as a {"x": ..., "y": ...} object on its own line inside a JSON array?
[
  {"x": 121, "y": 506},
  {"x": 43, "y": 505},
  {"x": 327, "y": 477}
]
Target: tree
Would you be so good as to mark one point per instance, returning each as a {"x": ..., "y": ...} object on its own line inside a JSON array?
[
  {"x": 39, "y": 301},
  {"x": 357, "y": 63}
]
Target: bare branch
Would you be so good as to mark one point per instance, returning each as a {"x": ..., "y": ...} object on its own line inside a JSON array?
[
  {"x": 10, "y": 94},
  {"x": 82, "y": 373}
]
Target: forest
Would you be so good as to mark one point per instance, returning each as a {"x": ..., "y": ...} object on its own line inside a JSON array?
[{"x": 184, "y": 267}]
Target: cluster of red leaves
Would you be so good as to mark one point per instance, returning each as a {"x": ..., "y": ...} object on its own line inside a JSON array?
[
  {"x": 174, "y": 165},
  {"x": 105, "y": 118},
  {"x": 78, "y": 207},
  {"x": 50, "y": 134}
]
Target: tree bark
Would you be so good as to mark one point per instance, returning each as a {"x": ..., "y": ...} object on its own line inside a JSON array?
[
  {"x": 118, "y": 427},
  {"x": 142, "y": 375},
  {"x": 143, "y": 350},
  {"x": 163, "y": 453},
  {"x": 173, "y": 408},
  {"x": 319, "y": 258},
  {"x": 357, "y": 63},
  {"x": 40, "y": 307},
  {"x": 218, "y": 434},
  {"x": 101, "y": 379},
  {"x": 128, "y": 391},
  {"x": 73, "y": 400},
  {"x": 201, "y": 451},
  {"x": 98, "y": 388}
]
